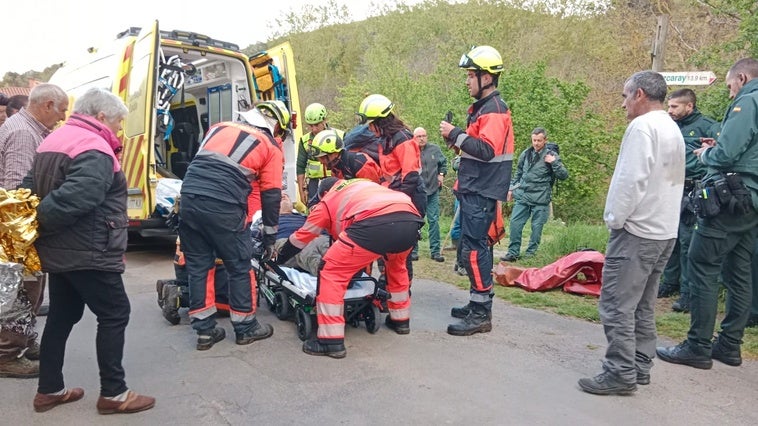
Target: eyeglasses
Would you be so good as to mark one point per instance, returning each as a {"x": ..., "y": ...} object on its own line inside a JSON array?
[{"x": 420, "y": 136}]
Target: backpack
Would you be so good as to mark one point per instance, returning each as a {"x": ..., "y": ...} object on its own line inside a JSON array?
[{"x": 552, "y": 146}]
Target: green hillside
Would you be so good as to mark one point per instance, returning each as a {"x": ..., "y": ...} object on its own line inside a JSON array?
[{"x": 563, "y": 73}]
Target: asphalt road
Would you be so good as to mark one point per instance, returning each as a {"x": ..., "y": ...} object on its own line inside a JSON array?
[{"x": 523, "y": 372}]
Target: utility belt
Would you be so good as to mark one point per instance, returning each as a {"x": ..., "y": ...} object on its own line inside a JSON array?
[
  {"x": 689, "y": 185},
  {"x": 725, "y": 193}
]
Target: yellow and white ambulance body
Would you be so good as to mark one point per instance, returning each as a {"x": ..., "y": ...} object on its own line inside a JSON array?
[{"x": 176, "y": 84}]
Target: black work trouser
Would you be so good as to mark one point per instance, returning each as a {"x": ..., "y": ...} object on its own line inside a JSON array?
[
  {"x": 210, "y": 228},
  {"x": 721, "y": 245},
  {"x": 104, "y": 294}
]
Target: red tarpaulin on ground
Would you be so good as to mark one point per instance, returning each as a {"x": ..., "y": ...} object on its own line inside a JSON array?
[{"x": 579, "y": 273}]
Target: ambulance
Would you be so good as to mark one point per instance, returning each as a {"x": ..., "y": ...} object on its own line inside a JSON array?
[{"x": 176, "y": 85}]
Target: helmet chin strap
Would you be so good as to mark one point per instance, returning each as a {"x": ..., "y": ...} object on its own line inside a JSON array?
[
  {"x": 478, "y": 94},
  {"x": 331, "y": 162}
]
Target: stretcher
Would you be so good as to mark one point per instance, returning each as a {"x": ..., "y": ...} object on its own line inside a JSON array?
[{"x": 289, "y": 292}]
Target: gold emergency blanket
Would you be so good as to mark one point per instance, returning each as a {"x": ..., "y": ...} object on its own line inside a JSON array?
[{"x": 18, "y": 229}]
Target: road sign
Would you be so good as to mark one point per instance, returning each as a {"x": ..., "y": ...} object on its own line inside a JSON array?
[{"x": 689, "y": 78}]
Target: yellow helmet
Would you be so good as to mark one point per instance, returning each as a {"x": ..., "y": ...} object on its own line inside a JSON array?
[
  {"x": 373, "y": 107},
  {"x": 315, "y": 113},
  {"x": 326, "y": 142},
  {"x": 482, "y": 58},
  {"x": 276, "y": 110}
]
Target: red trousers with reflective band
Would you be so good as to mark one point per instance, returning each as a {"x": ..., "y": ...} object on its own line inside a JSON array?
[{"x": 343, "y": 259}]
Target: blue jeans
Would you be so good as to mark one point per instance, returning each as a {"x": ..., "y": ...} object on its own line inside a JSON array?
[
  {"x": 455, "y": 231},
  {"x": 520, "y": 214}
]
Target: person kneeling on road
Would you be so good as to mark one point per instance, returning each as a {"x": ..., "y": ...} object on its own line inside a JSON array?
[{"x": 367, "y": 221}]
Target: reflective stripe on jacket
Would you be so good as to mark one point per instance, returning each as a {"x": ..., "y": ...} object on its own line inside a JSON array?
[
  {"x": 348, "y": 202},
  {"x": 486, "y": 148},
  {"x": 233, "y": 160}
]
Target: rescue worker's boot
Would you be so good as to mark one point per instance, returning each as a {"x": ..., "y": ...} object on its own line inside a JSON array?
[
  {"x": 461, "y": 311},
  {"x": 478, "y": 320},
  {"x": 207, "y": 339},
  {"x": 257, "y": 332},
  {"x": 399, "y": 327},
  {"x": 319, "y": 348},
  {"x": 171, "y": 303}
]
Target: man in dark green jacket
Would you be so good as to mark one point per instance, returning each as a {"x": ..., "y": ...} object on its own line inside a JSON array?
[
  {"x": 694, "y": 125},
  {"x": 532, "y": 188},
  {"x": 723, "y": 244},
  {"x": 433, "y": 171}
]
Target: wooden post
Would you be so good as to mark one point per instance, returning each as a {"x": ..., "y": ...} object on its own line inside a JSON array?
[{"x": 659, "y": 43}]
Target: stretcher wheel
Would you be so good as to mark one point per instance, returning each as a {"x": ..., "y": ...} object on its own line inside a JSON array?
[
  {"x": 372, "y": 319},
  {"x": 271, "y": 303},
  {"x": 281, "y": 305},
  {"x": 304, "y": 324}
]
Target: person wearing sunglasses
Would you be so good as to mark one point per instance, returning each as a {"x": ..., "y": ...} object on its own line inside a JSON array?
[{"x": 486, "y": 148}]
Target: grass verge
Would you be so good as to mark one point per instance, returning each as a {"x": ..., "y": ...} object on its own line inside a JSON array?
[{"x": 557, "y": 241}]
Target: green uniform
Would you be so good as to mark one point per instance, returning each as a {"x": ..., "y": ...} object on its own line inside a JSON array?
[
  {"x": 726, "y": 242},
  {"x": 310, "y": 166},
  {"x": 532, "y": 188},
  {"x": 693, "y": 127}
]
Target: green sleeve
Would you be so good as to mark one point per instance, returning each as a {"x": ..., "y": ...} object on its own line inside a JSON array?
[{"x": 738, "y": 131}]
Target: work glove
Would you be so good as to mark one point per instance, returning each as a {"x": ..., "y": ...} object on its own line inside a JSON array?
[
  {"x": 286, "y": 252},
  {"x": 269, "y": 252}
]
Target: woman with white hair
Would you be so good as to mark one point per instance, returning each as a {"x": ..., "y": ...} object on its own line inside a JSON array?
[{"x": 82, "y": 240}]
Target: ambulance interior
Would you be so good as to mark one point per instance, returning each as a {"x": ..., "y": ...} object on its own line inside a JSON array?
[{"x": 210, "y": 91}]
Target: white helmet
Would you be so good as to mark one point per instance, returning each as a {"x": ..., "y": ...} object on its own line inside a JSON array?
[{"x": 255, "y": 118}]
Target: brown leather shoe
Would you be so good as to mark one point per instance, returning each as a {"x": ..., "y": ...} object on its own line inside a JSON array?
[
  {"x": 19, "y": 368},
  {"x": 44, "y": 402},
  {"x": 134, "y": 403}
]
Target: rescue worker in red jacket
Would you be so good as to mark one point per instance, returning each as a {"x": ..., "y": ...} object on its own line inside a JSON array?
[
  {"x": 277, "y": 110},
  {"x": 399, "y": 153},
  {"x": 329, "y": 149},
  {"x": 215, "y": 221},
  {"x": 366, "y": 222},
  {"x": 486, "y": 150}
]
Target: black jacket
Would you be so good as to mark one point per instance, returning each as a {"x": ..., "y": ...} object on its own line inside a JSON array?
[{"x": 82, "y": 213}]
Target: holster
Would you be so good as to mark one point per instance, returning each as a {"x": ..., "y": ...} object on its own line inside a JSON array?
[{"x": 706, "y": 201}]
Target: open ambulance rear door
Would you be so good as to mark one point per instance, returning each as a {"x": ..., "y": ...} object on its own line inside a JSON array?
[
  {"x": 139, "y": 131},
  {"x": 280, "y": 82}
]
